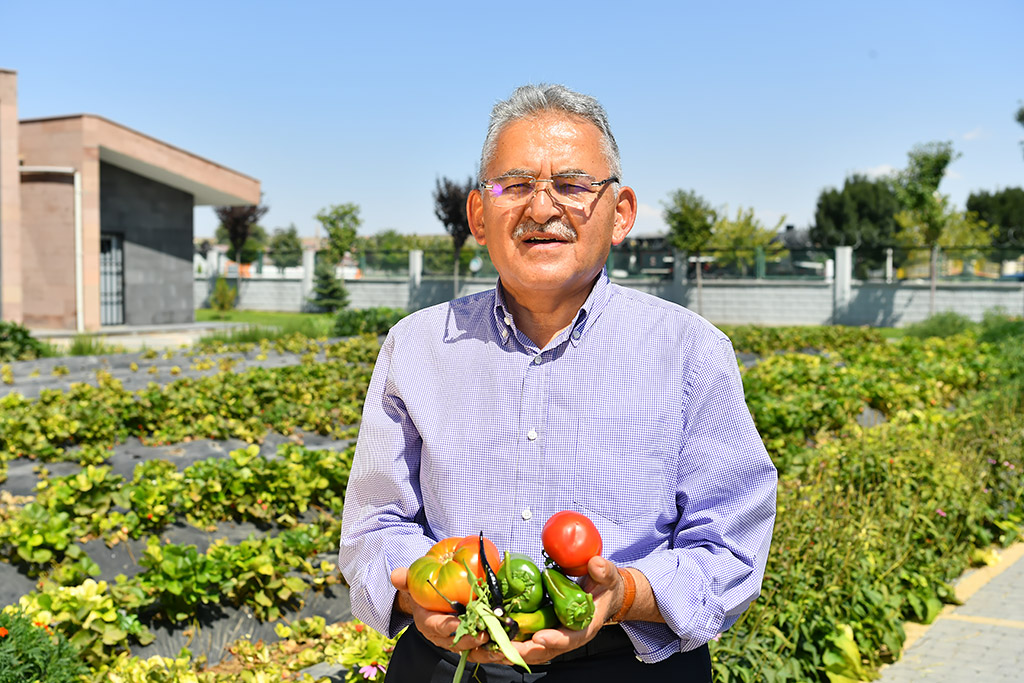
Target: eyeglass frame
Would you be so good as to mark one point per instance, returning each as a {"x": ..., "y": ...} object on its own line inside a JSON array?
[{"x": 489, "y": 183}]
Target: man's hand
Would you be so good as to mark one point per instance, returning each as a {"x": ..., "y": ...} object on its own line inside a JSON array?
[
  {"x": 437, "y": 627},
  {"x": 604, "y": 582}
]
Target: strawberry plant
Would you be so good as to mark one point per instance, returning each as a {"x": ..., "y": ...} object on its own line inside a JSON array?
[{"x": 88, "y": 616}]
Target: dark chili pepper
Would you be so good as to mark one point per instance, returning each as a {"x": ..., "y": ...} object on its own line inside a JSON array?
[
  {"x": 531, "y": 622},
  {"x": 459, "y": 608},
  {"x": 521, "y": 583},
  {"x": 492, "y": 582},
  {"x": 574, "y": 607}
]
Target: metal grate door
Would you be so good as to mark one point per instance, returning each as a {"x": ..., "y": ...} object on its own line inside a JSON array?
[{"x": 111, "y": 280}]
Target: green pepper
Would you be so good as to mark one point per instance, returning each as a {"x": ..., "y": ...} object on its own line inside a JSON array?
[
  {"x": 573, "y": 605},
  {"x": 531, "y": 622},
  {"x": 521, "y": 583}
]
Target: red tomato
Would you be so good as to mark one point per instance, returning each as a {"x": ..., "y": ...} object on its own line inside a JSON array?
[
  {"x": 444, "y": 566},
  {"x": 570, "y": 540}
]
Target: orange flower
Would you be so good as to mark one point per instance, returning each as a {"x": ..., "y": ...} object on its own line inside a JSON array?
[{"x": 3, "y": 632}]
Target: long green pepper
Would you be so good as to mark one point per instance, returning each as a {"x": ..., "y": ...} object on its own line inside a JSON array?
[{"x": 573, "y": 605}]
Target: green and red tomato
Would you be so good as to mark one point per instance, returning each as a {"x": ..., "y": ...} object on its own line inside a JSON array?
[{"x": 451, "y": 567}]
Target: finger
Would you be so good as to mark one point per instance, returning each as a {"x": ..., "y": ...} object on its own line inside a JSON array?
[
  {"x": 602, "y": 571},
  {"x": 400, "y": 578}
]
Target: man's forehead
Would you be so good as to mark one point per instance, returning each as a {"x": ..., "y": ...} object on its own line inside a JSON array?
[{"x": 571, "y": 144}]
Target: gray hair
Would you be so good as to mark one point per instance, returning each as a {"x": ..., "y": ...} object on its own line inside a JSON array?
[{"x": 533, "y": 100}]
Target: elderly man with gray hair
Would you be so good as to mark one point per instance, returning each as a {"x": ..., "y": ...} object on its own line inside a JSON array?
[{"x": 559, "y": 390}]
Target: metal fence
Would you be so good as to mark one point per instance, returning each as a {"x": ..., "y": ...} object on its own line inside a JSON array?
[{"x": 963, "y": 264}]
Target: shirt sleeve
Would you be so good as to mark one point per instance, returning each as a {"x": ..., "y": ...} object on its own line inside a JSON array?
[
  {"x": 725, "y": 495},
  {"x": 382, "y": 522}
]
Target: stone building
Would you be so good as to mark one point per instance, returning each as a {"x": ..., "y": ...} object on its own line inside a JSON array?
[{"x": 96, "y": 220}]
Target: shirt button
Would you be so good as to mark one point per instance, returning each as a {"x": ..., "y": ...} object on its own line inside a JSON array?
[
  {"x": 537, "y": 359},
  {"x": 531, "y": 435},
  {"x": 575, "y": 334},
  {"x": 508, "y": 320},
  {"x": 504, "y": 333},
  {"x": 527, "y": 514}
]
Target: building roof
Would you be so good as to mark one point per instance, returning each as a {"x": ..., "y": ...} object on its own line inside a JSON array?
[{"x": 208, "y": 182}]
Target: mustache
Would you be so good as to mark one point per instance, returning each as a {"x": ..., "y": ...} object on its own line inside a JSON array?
[{"x": 553, "y": 227}]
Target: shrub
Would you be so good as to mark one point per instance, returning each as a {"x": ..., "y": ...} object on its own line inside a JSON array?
[
  {"x": 366, "y": 321},
  {"x": 17, "y": 343},
  {"x": 943, "y": 325},
  {"x": 224, "y": 296},
  {"x": 33, "y": 652}
]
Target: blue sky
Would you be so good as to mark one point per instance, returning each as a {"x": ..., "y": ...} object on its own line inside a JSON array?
[{"x": 757, "y": 105}]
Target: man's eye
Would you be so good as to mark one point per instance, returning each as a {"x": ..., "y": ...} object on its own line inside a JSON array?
[
  {"x": 570, "y": 187},
  {"x": 516, "y": 186}
]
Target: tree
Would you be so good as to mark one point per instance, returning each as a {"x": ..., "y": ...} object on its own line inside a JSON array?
[
  {"x": 450, "y": 208},
  {"x": 237, "y": 225},
  {"x": 691, "y": 220},
  {"x": 861, "y": 215},
  {"x": 285, "y": 247},
  {"x": 1004, "y": 212},
  {"x": 329, "y": 293},
  {"x": 340, "y": 222},
  {"x": 924, "y": 209},
  {"x": 387, "y": 250},
  {"x": 738, "y": 239},
  {"x": 1020, "y": 120}
]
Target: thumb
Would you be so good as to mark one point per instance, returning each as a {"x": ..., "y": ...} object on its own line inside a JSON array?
[
  {"x": 602, "y": 571},
  {"x": 400, "y": 578}
]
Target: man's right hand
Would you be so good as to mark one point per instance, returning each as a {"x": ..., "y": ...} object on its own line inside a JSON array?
[{"x": 437, "y": 627}]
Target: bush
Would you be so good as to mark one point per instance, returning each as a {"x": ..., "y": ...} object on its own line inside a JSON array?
[
  {"x": 34, "y": 652},
  {"x": 224, "y": 296},
  {"x": 942, "y": 325},
  {"x": 17, "y": 343},
  {"x": 367, "y": 321}
]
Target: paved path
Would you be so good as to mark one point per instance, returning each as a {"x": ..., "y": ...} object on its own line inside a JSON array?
[{"x": 980, "y": 641}]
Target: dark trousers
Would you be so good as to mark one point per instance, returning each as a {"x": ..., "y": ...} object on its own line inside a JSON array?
[{"x": 608, "y": 657}]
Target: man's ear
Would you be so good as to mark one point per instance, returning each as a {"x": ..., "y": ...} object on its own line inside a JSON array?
[
  {"x": 625, "y": 214},
  {"x": 475, "y": 215}
]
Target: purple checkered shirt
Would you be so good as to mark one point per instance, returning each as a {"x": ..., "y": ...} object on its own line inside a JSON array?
[{"x": 634, "y": 416}]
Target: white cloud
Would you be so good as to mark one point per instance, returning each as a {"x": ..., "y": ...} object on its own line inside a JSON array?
[
  {"x": 974, "y": 134},
  {"x": 878, "y": 171},
  {"x": 952, "y": 175},
  {"x": 648, "y": 221}
]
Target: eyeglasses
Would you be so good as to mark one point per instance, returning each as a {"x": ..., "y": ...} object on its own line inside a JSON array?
[{"x": 574, "y": 190}]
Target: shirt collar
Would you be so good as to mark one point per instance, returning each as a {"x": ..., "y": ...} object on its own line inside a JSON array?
[{"x": 596, "y": 302}]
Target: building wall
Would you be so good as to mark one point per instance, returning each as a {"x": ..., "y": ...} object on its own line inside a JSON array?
[
  {"x": 48, "y": 251},
  {"x": 11, "y": 305},
  {"x": 155, "y": 222}
]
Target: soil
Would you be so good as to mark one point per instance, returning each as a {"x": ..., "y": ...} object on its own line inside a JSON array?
[{"x": 217, "y": 626}]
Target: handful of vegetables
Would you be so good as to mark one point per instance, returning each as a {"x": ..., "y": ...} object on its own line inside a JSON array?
[{"x": 509, "y": 600}]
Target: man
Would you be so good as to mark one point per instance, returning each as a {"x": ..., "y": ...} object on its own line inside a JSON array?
[{"x": 559, "y": 390}]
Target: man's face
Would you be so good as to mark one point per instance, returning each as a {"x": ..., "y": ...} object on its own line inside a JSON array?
[{"x": 542, "y": 248}]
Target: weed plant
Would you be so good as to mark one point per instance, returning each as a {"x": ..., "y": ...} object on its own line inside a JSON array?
[{"x": 34, "y": 652}]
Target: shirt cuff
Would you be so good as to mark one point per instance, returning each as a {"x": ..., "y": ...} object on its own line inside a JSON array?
[{"x": 689, "y": 608}]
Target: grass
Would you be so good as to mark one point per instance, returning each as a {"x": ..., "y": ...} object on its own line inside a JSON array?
[
  {"x": 261, "y": 325},
  {"x": 262, "y": 318}
]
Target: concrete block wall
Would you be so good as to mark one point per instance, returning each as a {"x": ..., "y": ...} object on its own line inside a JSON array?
[
  {"x": 762, "y": 302},
  {"x": 155, "y": 221}
]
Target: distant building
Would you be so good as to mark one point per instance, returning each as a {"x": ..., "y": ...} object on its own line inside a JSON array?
[{"x": 96, "y": 220}]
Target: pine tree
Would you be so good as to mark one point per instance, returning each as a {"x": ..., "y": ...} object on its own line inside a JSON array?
[{"x": 329, "y": 293}]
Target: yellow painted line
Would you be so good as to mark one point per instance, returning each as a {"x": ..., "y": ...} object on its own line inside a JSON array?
[
  {"x": 973, "y": 581},
  {"x": 969, "y": 584},
  {"x": 985, "y": 621}
]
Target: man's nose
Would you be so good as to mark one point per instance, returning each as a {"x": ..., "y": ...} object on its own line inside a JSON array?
[{"x": 542, "y": 207}]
